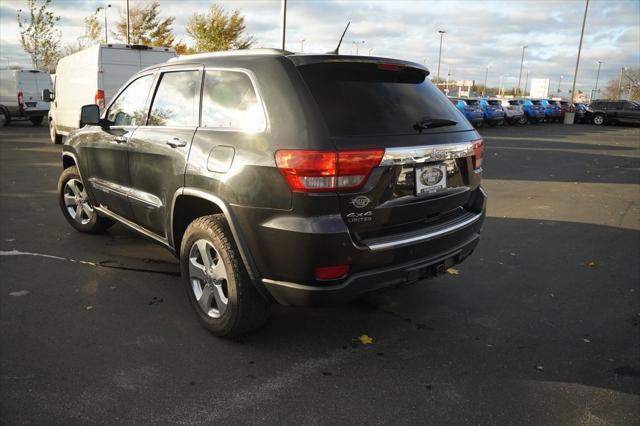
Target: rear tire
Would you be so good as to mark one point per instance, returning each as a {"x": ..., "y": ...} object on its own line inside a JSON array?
[
  {"x": 36, "y": 120},
  {"x": 75, "y": 205},
  {"x": 5, "y": 117},
  {"x": 523, "y": 120},
  {"x": 56, "y": 138},
  {"x": 218, "y": 286},
  {"x": 598, "y": 119}
]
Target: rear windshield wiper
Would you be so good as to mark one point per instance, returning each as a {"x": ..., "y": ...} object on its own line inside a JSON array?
[{"x": 430, "y": 123}]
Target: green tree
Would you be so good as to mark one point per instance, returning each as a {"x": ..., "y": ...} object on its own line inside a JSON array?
[
  {"x": 218, "y": 30},
  {"x": 39, "y": 36},
  {"x": 145, "y": 26}
]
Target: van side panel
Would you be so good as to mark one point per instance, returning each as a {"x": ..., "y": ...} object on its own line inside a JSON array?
[
  {"x": 76, "y": 85},
  {"x": 9, "y": 91}
]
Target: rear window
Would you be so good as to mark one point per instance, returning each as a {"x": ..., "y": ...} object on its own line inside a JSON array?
[
  {"x": 361, "y": 99},
  {"x": 494, "y": 102},
  {"x": 514, "y": 102},
  {"x": 472, "y": 102},
  {"x": 535, "y": 102}
]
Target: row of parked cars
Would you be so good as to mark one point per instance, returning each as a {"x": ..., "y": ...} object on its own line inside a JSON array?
[{"x": 496, "y": 112}]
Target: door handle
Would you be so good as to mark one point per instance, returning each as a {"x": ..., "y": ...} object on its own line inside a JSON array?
[
  {"x": 175, "y": 143},
  {"x": 121, "y": 139}
]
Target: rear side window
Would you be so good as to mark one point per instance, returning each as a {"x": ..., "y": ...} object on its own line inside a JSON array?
[
  {"x": 177, "y": 99},
  {"x": 362, "y": 99},
  {"x": 128, "y": 108},
  {"x": 229, "y": 101}
]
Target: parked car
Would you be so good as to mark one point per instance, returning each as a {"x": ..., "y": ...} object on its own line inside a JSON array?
[
  {"x": 601, "y": 112},
  {"x": 493, "y": 112},
  {"x": 566, "y": 106},
  {"x": 513, "y": 111},
  {"x": 552, "y": 110},
  {"x": 581, "y": 111},
  {"x": 94, "y": 75},
  {"x": 20, "y": 95},
  {"x": 277, "y": 177},
  {"x": 533, "y": 111},
  {"x": 471, "y": 110}
]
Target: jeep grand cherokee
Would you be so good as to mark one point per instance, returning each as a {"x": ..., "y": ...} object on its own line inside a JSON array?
[{"x": 277, "y": 177}]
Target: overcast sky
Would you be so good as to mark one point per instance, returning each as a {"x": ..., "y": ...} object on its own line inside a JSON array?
[{"x": 479, "y": 33}]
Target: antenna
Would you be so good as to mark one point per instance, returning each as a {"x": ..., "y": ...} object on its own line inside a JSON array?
[{"x": 335, "y": 52}]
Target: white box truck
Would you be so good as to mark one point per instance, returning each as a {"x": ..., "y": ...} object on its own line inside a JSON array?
[
  {"x": 94, "y": 75},
  {"x": 21, "y": 95}
]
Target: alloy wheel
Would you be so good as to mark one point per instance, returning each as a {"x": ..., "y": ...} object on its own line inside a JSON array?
[
  {"x": 208, "y": 278},
  {"x": 77, "y": 203}
]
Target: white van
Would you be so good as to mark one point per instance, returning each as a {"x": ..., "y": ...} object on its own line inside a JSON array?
[
  {"x": 94, "y": 75},
  {"x": 20, "y": 95}
]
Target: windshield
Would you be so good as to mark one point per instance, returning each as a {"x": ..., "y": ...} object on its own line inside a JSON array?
[
  {"x": 472, "y": 102},
  {"x": 535, "y": 102},
  {"x": 515, "y": 103},
  {"x": 494, "y": 103},
  {"x": 367, "y": 99}
]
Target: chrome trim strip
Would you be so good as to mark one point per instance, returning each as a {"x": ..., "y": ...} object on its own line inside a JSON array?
[
  {"x": 142, "y": 197},
  {"x": 425, "y": 237},
  {"x": 426, "y": 153},
  {"x": 133, "y": 226}
]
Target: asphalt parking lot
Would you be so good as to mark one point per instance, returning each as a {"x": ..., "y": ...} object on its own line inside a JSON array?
[{"x": 539, "y": 326}]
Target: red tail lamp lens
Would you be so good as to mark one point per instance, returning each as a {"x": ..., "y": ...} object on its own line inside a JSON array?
[
  {"x": 478, "y": 153},
  {"x": 324, "y": 171}
]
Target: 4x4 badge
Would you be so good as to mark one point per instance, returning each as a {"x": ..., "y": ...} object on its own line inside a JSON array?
[{"x": 361, "y": 201}]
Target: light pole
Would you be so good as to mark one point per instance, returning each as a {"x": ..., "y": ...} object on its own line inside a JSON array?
[
  {"x": 595, "y": 91},
  {"x": 128, "y": 23},
  {"x": 559, "y": 81},
  {"x": 106, "y": 37},
  {"x": 575, "y": 73},
  {"x": 521, "y": 64},
  {"x": 501, "y": 86},
  {"x": 448, "y": 75},
  {"x": 526, "y": 83},
  {"x": 441, "y": 32},
  {"x": 370, "y": 51},
  {"x": 486, "y": 75},
  {"x": 302, "y": 45},
  {"x": 357, "y": 44},
  {"x": 620, "y": 83},
  {"x": 283, "y": 23}
]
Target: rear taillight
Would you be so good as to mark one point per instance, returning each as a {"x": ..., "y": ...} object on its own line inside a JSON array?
[
  {"x": 99, "y": 98},
  {"x": 478, "y": 153},
  {"x": 327, "y": 171},
  {"x": 20, "y": 99}
]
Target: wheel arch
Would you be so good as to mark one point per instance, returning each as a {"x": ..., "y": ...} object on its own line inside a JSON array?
[
  {"x": 68, "y": 160},
  {"x": 191, "y": 203}
]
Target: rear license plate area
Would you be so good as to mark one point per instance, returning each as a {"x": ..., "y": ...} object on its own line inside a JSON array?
[{"x": 430, "y": 178}]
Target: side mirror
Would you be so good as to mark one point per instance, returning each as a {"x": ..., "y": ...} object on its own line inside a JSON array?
[
  {"x": 90, "y": 114},
  {"x": 47, "y": 95}
]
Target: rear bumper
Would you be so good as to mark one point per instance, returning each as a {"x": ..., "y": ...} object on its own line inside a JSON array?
[
  {"x": 374, "y": 263},
  {"x": 287, "y": 293}
]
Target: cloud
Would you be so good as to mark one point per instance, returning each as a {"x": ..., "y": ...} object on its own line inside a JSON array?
[{"x": 478, "y": 33}]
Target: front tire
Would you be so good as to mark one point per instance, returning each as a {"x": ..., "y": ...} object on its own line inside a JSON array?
[
  {"x": 76, "y": 206},
  {"x": 523, "y": 120},
  {"x": 218, "y": 286},
  {"x": 5, "y": 117}
]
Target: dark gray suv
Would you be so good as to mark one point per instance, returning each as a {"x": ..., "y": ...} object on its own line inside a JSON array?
[{"x": 274, "y": 177}]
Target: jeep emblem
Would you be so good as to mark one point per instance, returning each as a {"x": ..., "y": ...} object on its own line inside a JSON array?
[{"x": 361, "y": 201}]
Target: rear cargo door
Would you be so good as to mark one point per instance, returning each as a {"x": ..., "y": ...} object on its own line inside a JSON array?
[
  {"x": 426, "y": 174},
  {"x": 31, "y": 83}
]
